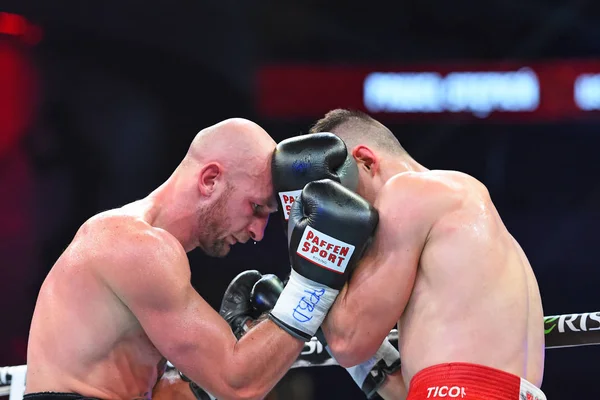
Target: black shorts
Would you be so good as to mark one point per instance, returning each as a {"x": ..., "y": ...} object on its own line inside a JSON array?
[{"x": 56, "y": 396}]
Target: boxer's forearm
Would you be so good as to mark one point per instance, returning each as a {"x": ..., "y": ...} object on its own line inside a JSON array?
[
  {"x": 365, "y": 311},
  {"x": 346, "y": 330},
  {"x": 393, "y": 388},
  {"x": 339, "y": 329},
  {"x": 260, "y": 359}
]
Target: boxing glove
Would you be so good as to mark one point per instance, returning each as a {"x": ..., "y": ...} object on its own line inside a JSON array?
[
  {"x": 303, "y": 159},
  {"x": 265, "y": 293},
  {"x": 329, "y": 229},
  {"x": 236, "y": 307}
]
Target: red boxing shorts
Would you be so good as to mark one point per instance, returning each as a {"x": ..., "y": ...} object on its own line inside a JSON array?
[{"x": 472, "y": 382}]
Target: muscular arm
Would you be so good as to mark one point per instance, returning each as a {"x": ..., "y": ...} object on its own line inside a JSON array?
[
  {"x": 374, "y": 299},
  {"x": 153, "y": 280}
]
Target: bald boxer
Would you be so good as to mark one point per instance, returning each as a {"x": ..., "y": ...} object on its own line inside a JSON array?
[
  {"x": 119, "y": 302},
  {"x": 443, "y": 268}
]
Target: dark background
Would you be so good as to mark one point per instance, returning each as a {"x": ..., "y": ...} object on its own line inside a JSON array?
[{"x": 100, "y": 110}]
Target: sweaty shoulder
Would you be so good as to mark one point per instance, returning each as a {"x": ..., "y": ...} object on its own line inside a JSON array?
[
  {"x": 427, "y": 196},
  {"x": 115, "y": 239}
]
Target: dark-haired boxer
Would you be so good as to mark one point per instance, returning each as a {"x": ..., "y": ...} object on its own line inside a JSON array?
[{"x": 442, "y": 267}]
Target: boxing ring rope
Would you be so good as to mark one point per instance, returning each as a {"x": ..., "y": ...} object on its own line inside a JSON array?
[{"x": 566, "y": 330}]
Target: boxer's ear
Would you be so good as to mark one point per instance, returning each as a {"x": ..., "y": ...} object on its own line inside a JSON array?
[
  {"x": 210, "y": 176},
  {"x": 366, "y": 159}
]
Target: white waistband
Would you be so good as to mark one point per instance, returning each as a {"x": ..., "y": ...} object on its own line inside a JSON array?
[{"x": 530, "y": 392}]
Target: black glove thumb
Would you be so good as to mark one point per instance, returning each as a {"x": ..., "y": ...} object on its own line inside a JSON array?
[
  {"x": 265, "y": 293},
  {"x": 236, "y": 308}
]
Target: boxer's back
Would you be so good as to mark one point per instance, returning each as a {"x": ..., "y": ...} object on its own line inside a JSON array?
[
  {"x": 83, "y": 339},
  {"x": 475, "y": 298}
]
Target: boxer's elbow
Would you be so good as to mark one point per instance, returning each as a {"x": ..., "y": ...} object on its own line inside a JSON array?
[
  {"x": 349, "y": 352},
  {"x": 343, "y": 355},
  {"x": 343, "y": 343},
  {"x": 240, "y": 383},
  {"x": 242, "y": 393},
  {"x": 227, "y": 378}
]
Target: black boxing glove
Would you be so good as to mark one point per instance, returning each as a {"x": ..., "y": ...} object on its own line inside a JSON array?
[
  {"x": 329, "y": 229},
  {"x": 236, "y": 307},
  {"x": 303, "y": 159},
  {"x": 306, "y": 158},
  {"x": 265, "y": 293}
]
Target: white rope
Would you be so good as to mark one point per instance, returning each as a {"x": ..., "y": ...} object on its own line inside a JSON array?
[
  {"x": 15, "y": 378},
  {"x": 4, "y": 375},
  {"x": 561, "y": 331}
]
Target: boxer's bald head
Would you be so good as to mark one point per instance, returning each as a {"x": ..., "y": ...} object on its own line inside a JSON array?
[
  {"x": 239, "y": 145},
  {"x": 378, "y": 153},
  {"x": 222, "y": 192}
]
